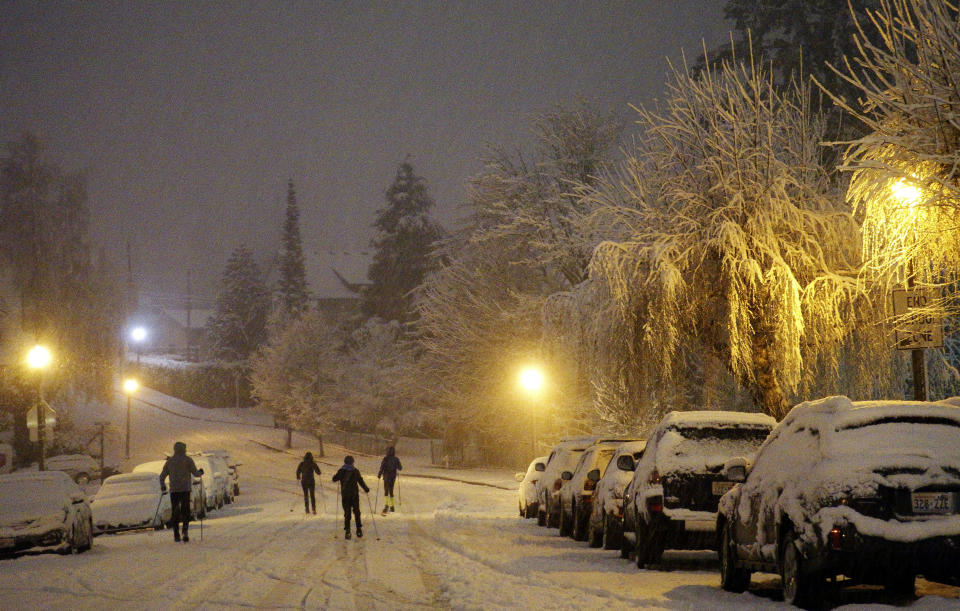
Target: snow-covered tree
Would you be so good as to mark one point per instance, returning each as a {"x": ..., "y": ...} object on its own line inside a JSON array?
[
  {"x": 293, "y": 294},
  {"x": 405, "y": 235},
  {"x": 238, "y": 326},
  {"x": 739, "y": 247},
  {"x": 297, "y": 374}
]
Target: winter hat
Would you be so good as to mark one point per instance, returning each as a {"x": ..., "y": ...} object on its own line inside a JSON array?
[
  {"x": 348, "y": 460},
  {"x": 308, "y": 456},
  {"x": 179, "y": 448}
]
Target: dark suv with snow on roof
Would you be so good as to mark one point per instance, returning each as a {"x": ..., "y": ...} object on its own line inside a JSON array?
[
  {"x": 679, "y": 481},
  {"x": 868, "y": 490}
]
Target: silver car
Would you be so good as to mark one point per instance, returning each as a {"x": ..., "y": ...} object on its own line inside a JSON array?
[{"x": 43, "y": 511}]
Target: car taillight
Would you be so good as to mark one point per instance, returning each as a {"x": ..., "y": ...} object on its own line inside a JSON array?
[
  {"x": 558, "y": 484},
  {"x": 654, "y": 477},
  {"x": 836, "y": 539},
  {"x": 655, "y": 506},
  {"x": 589, "y": 485}
]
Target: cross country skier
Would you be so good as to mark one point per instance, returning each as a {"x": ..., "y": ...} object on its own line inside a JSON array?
[
  {"x": 181, "y": 469},
  {"x": 350, "y": 483},
  {"x": 305, "y": 471},
  {"x": 388, "y": 469}
]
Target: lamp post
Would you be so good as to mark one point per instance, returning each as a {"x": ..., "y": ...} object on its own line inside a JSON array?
[
  {"x": 129, "y": 387},
  {"x": 38, "y": 359},
  {"x": 138, "y": 335},
  {"x": 531, "y": 380},
  {"x": 911, "y": 196}
]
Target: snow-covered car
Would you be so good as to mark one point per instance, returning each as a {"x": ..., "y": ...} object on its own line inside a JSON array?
[
  {"x": 527, "y": 491},
  {"x": 197, "y": 505},
  {"x": 576, "y": 494},
  {"x": 214, "y": 480},
  {"x": 679, "y": 481},
  {"x": 869, "y": 490},
  {"x": 43, "y": 511},
  {"x": 221, "y": 466},
  {"x": 128, "y": 501},
  {"x": 563, "y": 457},
  {"x": 80, "y": 467},
  {"x": 6, "y": 457},
  {"x": 606, "y": 512},
  {"x": 233, "y": 467}
]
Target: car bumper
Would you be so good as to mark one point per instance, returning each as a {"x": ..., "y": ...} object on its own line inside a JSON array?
[
  {"x": 687, "y": 531},
  {"x": 52, "y": 540},
  {"x": 870, "y": 559}
]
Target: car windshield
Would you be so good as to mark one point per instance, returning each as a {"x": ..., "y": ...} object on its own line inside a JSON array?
[
  {"x": 35, "y": 496},
  {"x": 720, "y": 440},
  {"x": 125, "y": 488},
  {"x": 914, "y": 435}
]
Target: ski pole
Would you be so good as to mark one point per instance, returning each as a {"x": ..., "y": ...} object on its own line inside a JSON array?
[
  {"x": 203, "y": 495},
  {"x": 376, "y": 498},
  {"x": 372, "y": 519},
  {"x": 399, "y": 498},
  {"x": 157, "y": 512}
]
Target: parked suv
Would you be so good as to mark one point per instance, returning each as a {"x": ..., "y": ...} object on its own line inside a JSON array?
[
  {"x": 563, "y": 457},
  {"x": 679, "y": 479},
  {"x": 869, "y": 490},
  {"x": 576, "y": 495},
  {"x": 606, "y": 513}
]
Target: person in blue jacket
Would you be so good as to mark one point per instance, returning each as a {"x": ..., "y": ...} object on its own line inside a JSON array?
[
  {"x": 389, "y": 467},
  {"x": 350, "y": 483}
]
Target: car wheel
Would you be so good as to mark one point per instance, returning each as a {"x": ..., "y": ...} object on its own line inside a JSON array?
[
  {"x": 236, "y": 490},
  {"x": 541, "y": 518},
  {"x": 88, "y": 541},
  {"x": 553, "y": 518},
  {"x": 626, "y": 548},
  {"x": 800, "y": 588},
  {"x": 732, "y": 577},
  {"x": 612, "y": 536},
  {"x": 595, "y": 534},
  {"x": 564, "y": 522},
  {"x": 642, "y": 545}
]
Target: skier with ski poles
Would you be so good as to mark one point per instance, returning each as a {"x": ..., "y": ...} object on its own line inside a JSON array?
[
  {"x": 350, "y": 483},
  {"x": 180, "y": 468},
  {"x": 305, "y": 471},
  {"x": 389, "y": 468}
]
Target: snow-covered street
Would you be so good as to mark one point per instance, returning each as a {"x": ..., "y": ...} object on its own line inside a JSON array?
[{"x": 455, "y": 542}]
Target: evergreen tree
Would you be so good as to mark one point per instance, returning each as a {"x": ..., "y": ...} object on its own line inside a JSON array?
[
  {"x": 294, "y": 297},
  {"x": 239, "y": 324},
  {"x": 405, "y": 236}
]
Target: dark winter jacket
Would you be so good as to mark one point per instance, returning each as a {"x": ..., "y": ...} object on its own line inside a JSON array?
[
  {"x": 350, "y": 481},
  {"x": 305, "y": 471},
  {"x": 390, "y": 465},
  {"x": 180, "y": 468}
]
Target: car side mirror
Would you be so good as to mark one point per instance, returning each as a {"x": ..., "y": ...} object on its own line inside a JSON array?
[
  {"x": 566, "y": 475},
  {"x": 625, "y": 463},
  {"x": 519, "y": 476},
  {"x": 735, "y": 469},
  {"x": 540, "y": 467},
  {"x": 594, "y": 476}
]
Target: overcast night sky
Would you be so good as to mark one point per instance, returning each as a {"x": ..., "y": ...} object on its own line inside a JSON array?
[{"x": 188, "y": 118}]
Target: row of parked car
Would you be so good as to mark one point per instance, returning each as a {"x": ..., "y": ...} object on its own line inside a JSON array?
[
  {"x": 867, "y": 491},
  {"x": 49, "y": 511}
]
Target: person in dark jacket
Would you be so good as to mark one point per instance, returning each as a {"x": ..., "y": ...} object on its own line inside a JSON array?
[
  {"x": 181, "y": 469},
  {"x": 350, "y": 483},
  {"x": 305, "y": 471},
  {"x": 389, "y": 467}
]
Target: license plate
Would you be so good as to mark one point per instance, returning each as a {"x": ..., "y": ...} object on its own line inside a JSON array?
[
  {"x": 7, "y": 542},
  {"x": 721, "y": 488},
  {"x": 932, "y": 502}
]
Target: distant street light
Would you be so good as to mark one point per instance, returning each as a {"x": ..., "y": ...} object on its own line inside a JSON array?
[
  {"x": 531, "y": 380},
  {"x": 39, "y": 358},
  {"x": 130, "y": 386}
]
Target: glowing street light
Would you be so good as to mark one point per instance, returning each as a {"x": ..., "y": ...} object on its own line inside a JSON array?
[
  {"x": 39, "y": 358},
  {"x": 908, "y": 194},
  {"x": 911, "y": 196},
  {"x": 130, "y": 386},
  {"x": 531, "y": 380}
]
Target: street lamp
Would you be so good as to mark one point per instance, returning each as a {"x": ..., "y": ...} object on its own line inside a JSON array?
[
  {"x": 39, "y": 358},
  {"x": 129, "y": 387},
  {"x": 531, "y": 380},
  {"x": 138, "y": 335},
  {"x": 911, "y": 197}
]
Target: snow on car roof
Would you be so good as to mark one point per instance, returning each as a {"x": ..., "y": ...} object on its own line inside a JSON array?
[
  {"x": 122, "y": 478},
  {"x": 709, "y": 419}
]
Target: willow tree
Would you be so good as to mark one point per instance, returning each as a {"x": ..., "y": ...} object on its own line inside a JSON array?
[{"x": 739, "y": 246}]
